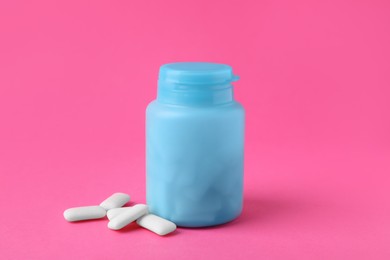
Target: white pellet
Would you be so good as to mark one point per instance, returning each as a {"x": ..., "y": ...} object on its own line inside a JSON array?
[
  {"x": 84, "y": 213},
  {"x": 156, "y": 224},
  {"x": 112, "y": 213},
  {"x": 128, "y": 216},
  {"x": 116, "y": 200}
]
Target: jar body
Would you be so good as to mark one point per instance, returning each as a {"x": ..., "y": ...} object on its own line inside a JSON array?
[{"x": 194, "y": 162}]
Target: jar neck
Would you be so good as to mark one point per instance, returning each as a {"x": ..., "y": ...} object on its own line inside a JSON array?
[{"x": 194, "y": 95}]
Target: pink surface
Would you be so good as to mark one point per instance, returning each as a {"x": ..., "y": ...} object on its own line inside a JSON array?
[{"x": 76, "y": 76}]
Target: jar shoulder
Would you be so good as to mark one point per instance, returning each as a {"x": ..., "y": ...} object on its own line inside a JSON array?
[{"x": 157, "y": 108}]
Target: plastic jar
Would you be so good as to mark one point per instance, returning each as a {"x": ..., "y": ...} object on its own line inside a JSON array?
[{"x": 195, "y": 145}]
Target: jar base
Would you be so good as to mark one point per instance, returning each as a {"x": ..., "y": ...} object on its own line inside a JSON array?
[{"x": 208, "y": 224}]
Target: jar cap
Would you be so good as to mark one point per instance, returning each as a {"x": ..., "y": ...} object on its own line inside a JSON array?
[{"x": 196, "y": 73}]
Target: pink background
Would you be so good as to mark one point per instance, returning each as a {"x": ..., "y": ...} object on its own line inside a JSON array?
[{"x": 76, "y": 76}]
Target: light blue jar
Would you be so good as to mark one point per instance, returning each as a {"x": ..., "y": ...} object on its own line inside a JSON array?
[{"x": 195, "y": 145}]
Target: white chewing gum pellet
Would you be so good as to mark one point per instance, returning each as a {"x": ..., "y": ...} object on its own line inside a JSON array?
[
  {"x": 112, "y": 213},
  {"x": 128, "y": 216},
  {"x": 116, "y": 200},
  {"x": 84, "y": 213},
  {"x": 156, "y": 224}
]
